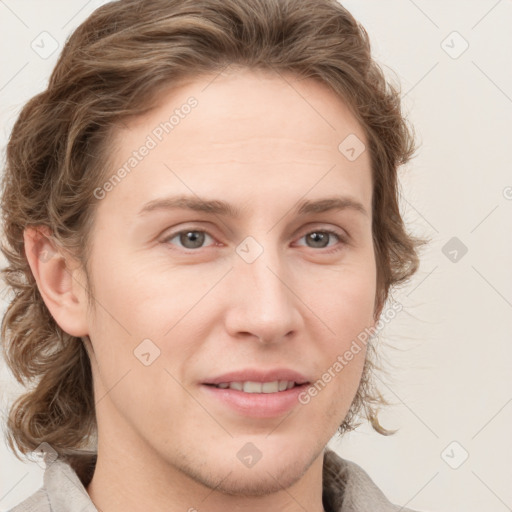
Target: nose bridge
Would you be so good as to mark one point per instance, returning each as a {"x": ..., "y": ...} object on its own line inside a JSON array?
[{"x": 263, "y": 304}]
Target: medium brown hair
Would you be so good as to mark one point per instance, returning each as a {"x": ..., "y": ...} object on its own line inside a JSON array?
[{"x": 113, "y": 67}]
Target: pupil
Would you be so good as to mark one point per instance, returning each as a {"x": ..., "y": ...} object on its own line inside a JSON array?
[
  {"x": 194, "y": 237},
  {"x": 318, "y": 238}
]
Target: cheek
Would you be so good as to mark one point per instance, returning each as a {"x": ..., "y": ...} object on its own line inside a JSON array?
[
  {"x": 143, "y": 315},
  {"x": 345, "y": 301},
  {"x": 137, "y": 300},
  {"x": 345, "y": 307}
]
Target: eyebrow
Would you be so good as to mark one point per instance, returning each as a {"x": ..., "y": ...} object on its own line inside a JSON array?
[{"x": 219, "y": 207}]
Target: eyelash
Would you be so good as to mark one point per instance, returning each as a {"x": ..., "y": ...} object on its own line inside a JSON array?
[{"x": 343, "y": 239}]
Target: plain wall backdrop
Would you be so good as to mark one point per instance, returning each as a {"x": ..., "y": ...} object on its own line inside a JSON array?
[{"x": 449, "y": 376}]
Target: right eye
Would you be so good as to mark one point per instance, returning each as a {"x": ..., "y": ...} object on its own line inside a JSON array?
[{"x": 188, "y": 238}]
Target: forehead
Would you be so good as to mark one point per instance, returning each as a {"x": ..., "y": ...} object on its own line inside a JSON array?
[
  {"x": 242, "y": 131},
  {"x": 249, "y": 103}
]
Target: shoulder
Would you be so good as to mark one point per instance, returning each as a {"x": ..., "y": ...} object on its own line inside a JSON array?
[
  {"x": 351, "y": 489},
  {"x": 62, "y": 491}
]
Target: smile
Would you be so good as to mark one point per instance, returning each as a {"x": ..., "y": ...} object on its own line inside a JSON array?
[{"x": 258, "y": 387}]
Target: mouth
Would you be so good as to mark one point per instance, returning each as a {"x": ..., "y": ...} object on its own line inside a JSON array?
[
  {"x": 276, "y": 386},
  {"x": 256, "y": 392},
  {"x": 253, "y": 399}
]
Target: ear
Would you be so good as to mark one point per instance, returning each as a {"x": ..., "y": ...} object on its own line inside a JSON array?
[{"x": 59, "y": 280}]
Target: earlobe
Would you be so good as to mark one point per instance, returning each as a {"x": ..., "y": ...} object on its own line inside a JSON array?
[{"x": 57, "y": 278}]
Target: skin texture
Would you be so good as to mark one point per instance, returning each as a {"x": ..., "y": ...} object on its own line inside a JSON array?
[{"x": 262, "y": 142}]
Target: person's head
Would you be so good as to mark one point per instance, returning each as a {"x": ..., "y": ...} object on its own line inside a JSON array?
[{"x": 268, "y": 105}]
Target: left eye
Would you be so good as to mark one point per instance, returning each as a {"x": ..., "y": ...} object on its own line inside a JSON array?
[
  {"x": 194, "y": 239},
  {"x": 320, "y": 239}
]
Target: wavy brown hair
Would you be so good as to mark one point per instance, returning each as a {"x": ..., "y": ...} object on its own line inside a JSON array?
[{"x": 113, "y": 67}]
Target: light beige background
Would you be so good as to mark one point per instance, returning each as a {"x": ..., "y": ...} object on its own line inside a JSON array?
[{"x": 450, "y": 378}]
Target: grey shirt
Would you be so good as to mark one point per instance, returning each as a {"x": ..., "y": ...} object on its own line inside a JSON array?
[{"x": 346, "y": 488}]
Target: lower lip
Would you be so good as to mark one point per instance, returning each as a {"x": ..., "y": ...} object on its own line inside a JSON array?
[{"x": 257, "y": 405}]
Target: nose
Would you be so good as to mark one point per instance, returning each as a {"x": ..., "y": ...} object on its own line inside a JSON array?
[{"x": 262, "y": 303}]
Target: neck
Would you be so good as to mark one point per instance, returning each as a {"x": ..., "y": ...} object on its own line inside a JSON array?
[{"x": 137, "y": 479}]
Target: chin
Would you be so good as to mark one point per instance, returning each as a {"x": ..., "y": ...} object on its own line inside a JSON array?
[
  {"x": 275, "y": 470},
  {"x": 252, "y": 487},
  {"x": 269, "y": 478}
]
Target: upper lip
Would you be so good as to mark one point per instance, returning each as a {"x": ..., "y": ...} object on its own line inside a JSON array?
[{"x": 258, "y": 375}]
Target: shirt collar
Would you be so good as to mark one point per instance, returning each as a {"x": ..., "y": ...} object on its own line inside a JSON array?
[{"x": 65, "y": 490}]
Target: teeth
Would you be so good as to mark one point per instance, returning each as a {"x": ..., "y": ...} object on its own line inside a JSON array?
[
  {"x": 283, "y": 385},
  {"x": 258, "y": 387},
  {"x": 254, "y": 387},
  {"x": 270, "y": 387},
  {"x": 235, "y": 385}
]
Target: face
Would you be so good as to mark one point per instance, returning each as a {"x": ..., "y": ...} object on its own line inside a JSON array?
[{"x": 264, "y": 289}]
